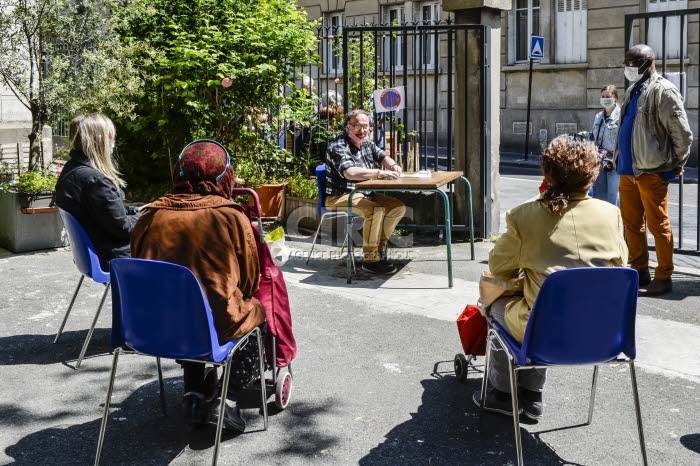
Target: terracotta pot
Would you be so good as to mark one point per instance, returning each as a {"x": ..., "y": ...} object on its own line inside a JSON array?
[{"x": 271, "y": 199}]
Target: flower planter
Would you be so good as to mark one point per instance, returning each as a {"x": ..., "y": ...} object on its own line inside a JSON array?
[
  {"x": 36, "y": 200},
  {"x": 39, "y": 228},
  {"x": 271, "y": 198},
  {"x": 300, "y": 212}
]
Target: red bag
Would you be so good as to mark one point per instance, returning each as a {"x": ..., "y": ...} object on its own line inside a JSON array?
[{"x": 472, "y": 327}]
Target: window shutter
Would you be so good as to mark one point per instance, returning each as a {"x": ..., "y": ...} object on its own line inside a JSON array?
[{"x": 572, "y": 30}]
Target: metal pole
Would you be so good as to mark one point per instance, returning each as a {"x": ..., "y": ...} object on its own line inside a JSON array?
[{"x": 527, "y": 122}]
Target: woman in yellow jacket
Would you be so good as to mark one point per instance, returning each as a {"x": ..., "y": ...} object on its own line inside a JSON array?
[{"x": 564, "y": 228}]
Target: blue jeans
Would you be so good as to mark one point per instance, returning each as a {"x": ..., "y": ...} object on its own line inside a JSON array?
[{"x": 606, "y": 187}]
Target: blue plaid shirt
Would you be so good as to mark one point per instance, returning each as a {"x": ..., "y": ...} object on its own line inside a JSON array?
[{"x": 341, "y": 155}]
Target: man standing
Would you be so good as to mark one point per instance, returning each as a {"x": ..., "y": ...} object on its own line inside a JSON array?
[
  {"x": 652, "y": 148},
  {"x": 352, "y": 157}
]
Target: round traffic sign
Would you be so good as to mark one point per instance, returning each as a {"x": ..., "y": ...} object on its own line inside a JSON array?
[{"x": 390, "y": 99}]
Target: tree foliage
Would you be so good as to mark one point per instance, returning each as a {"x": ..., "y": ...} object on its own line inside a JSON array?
[
  {"x": 193, "y": 47},
  {"x": 62, "y": 56}
]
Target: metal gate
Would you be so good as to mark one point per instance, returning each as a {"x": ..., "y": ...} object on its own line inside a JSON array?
[
  {"x": 667, "y": 32},
  {"x": 420, "y": 56}
]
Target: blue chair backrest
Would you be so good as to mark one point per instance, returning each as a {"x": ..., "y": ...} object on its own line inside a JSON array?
[
  {"x": 321, "y": 183},
  {"x": 84, "y": 254},
  {"x": 160, "y": 309},
  {"x": 583, "y": 316}
]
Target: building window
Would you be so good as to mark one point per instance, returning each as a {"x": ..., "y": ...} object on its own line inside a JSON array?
[
  {"x": 524, "y": 23},
  {"x": 428, "y": 14},
  {"x": 392, "y": 43},
  {"x": 572, "y": 20},
  {"x": 332, "y": 52},
  {"x": 673, "y": 28}
]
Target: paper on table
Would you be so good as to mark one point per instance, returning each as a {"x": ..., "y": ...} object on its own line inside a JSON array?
[{"x": 420, "y": 174}]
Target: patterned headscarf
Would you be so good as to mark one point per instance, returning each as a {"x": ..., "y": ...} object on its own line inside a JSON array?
[{"x": 204, "y": 167}]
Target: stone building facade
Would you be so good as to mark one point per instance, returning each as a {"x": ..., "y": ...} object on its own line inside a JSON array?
[{"x": 584, "y": 50}]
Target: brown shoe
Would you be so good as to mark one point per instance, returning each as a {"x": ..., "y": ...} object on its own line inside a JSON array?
[
  {"x": 658, "y": 287},
  {"x": 644, "y": 276}
]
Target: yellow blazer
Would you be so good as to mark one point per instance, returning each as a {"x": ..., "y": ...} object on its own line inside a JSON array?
[{"x": 538, "y": 242}]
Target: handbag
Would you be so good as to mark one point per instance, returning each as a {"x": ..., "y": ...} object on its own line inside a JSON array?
[
  {"x": 605, "y": 157},
  {"x": 492, "y": 288},
  {"x": 472, "y": 328}
]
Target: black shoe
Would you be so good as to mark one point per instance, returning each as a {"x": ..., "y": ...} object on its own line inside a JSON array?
[
  {"x": 657, "y": 287},
  {"x": 379, "y": 268},
  {"x": 496, "y": 401},
  {"x": 644, "y": 276},
  {"x": 531, "y": 403},
  {"x": 195, "y": 409},
  {"x": 232, "y": 417}
]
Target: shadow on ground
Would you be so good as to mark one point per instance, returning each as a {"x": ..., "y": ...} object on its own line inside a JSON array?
[
  {"x": 138, "y": 433},
  {"x": 40, "y": 349},
  {"x": 448, "y": 426}
]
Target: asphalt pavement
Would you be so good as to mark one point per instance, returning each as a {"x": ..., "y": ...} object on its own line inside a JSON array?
[{"x": 373, "y": 382}]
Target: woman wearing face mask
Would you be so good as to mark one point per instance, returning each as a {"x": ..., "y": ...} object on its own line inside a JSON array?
[
  {"x": 90, "y": 187},
  {"x": 604, "y": 135}
]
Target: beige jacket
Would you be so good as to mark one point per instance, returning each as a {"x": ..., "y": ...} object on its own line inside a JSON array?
[
  {"x": 661, "y": 135},
  {"x": 538, "y": 242}
]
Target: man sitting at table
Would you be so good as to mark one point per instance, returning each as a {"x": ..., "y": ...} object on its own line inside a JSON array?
[{"x": 353, "y": 157}]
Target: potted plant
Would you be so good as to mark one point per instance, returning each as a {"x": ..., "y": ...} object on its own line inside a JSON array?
[
  {"x": 20, "y": 229},
  {"x": 36, "y": 189},
  {"x": 262, "y": 165}
]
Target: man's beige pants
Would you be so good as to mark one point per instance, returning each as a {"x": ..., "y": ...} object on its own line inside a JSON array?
[{"x": 381, "y": 214}]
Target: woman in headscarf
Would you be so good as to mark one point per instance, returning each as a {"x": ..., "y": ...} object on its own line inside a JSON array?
[
  {"x": 564, "y": 228},
  {"x": 199, "y": 227},
  {"x": 90, "y": 187}
]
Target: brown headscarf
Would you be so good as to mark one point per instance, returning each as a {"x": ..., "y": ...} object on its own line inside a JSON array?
[{"x": 204, "y": 167}]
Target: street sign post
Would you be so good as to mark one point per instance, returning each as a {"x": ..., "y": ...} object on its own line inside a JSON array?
[{"x": 536, "y": 53}]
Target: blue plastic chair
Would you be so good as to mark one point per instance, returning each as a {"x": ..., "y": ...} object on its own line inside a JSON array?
[
  {"x": 88, "y": 264},
  {"x": 582, "y": 316},
  {"x": 325, "y": 213},
  {"x": 159, "y": 309}
]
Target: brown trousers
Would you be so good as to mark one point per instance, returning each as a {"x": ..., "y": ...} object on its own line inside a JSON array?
[
  {"x": 381, "y": 214},
  {"x": 647, "y": 197}
]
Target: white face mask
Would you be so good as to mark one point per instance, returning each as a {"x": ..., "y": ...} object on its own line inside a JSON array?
[
  {"x": 632, "y": 74},
  {"x": 607, "y": 102}
]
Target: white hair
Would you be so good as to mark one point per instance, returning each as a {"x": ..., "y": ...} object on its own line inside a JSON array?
[{"x": 307, "y": 81}]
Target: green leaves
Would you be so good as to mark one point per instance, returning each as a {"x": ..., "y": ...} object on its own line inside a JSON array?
[{"x": 187, "y": 48}]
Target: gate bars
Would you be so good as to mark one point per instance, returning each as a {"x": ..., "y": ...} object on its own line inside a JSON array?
[{"x": 637, "y": 31}]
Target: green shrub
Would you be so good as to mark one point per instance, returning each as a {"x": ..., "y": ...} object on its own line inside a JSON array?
[
  {"x": 300, "y": 185},
  {"x": 34, "y": 181}
]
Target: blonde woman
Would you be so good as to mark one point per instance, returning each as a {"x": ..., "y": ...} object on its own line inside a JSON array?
[{"x": 90, "y": 187}]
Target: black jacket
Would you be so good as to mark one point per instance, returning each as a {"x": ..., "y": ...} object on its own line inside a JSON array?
[{"x": 98, "y": 205}]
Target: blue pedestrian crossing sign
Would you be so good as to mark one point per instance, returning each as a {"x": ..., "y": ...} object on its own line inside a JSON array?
[{"x": 537, "y": 47}]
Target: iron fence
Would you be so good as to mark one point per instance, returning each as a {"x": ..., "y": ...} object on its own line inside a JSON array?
[{"x": 668, "y": 32}]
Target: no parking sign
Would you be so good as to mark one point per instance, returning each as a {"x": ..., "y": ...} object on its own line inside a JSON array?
[{"x": 389, "y": 100}]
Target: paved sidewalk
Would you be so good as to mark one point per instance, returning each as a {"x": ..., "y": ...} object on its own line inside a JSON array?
[{"x": 374, "y": 381}]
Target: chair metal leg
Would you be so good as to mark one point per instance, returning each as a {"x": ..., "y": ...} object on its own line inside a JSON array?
[
  {"x": 638, "y": 412},
  {"x": 516, "y": 416},
  {"x": 314, "y": 241},
  {"x": 352, "y": 258},
  {"x": 222, "y": 407},
  {"x": 105, "y": 415},
  {"x": 263, "y": 388},
  {"x": 92, "y": 327},
  {"x": 161, "y": 387},
  {"x": 487, "y": 365},
  {"x": 70, "y": 306},
  {"x": 593, "y": 389}
]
